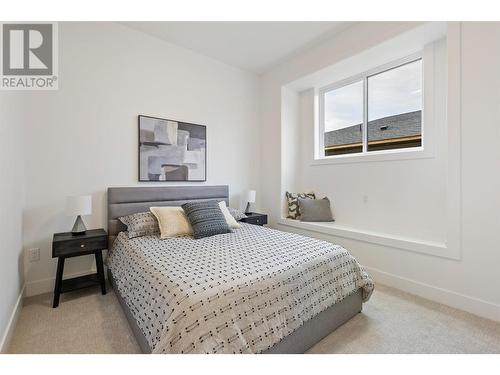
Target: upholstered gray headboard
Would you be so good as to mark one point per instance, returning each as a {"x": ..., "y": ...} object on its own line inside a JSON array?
[{"x": 128, "y": 200}]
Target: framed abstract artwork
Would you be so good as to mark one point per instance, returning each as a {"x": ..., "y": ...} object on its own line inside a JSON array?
[{"x": 171, "y": 150}]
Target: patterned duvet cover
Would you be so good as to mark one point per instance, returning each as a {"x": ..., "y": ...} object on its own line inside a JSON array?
[{"x": 240, "y": 292}]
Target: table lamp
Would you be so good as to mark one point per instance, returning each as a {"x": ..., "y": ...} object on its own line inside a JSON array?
[
  {"x": 250, "y": 199},
  {"x": 79, "y": 205}
]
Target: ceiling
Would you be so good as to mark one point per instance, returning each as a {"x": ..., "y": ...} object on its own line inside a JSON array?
[{"x": 253, "y": 46}]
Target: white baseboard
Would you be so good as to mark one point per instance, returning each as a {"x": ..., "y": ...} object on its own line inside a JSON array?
[
  {"x": 485, "y": 309},
  {"x": 34, "y": 288},
  {"x": 459, "y": 301},
  {"x": 11, "y": 326}
]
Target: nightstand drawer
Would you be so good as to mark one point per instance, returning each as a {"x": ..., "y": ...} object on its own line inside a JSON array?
[
  {"x": 77, "y": 246},
  {"x": 255, "y": 218},
  {"x": 261, "y": 220}
]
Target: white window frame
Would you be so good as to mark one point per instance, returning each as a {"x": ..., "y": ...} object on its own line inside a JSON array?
[{"x": 424, "y": 151}]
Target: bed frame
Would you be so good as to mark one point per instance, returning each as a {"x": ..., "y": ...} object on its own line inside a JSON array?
[{"x": 128, "y": 200}]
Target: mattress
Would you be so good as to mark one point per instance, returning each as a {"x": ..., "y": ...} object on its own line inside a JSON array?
[{"x": 241, "y": 292}]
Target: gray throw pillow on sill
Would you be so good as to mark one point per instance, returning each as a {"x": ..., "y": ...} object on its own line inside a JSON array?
[{"x": 315, "y": 210}]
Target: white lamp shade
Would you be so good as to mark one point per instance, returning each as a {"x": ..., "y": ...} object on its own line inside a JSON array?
[
  {"x": 251, "y": 196},
  {"x": 79, "y": 205}
]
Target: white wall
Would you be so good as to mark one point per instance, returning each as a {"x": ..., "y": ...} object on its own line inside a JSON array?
[
  {"x": 468, "y": 283},
  {"x": 82, "y": 138},
  {"x": 290, "y": 141},
  {"x": 11, "y": 209}
]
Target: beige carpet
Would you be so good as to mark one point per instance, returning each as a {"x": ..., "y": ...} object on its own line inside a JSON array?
[{"x": 391, "y": 322}]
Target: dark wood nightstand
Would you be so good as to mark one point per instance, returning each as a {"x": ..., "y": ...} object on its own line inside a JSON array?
[
  {"x": 67, "y": 245},
  {"x": 255, "y": 218}
]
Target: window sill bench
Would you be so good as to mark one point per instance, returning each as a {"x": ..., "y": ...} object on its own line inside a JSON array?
[{"x": 439, "y": 249}]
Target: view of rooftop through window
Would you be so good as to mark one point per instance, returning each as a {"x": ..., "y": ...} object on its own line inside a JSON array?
[
  {"x": 344, "y": 110},
  {"x": 394, "y": 112}
]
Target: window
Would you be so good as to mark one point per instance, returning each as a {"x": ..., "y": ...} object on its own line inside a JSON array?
[
  {"x": 343, "y": 119},
  {"x": 375, "y": 111}
]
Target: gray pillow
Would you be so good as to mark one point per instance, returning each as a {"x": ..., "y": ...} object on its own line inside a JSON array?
[
  {"x": 140, "y": 224},
  {"x": 315, "y": 210},
  {"x": 206, "y": 218}
]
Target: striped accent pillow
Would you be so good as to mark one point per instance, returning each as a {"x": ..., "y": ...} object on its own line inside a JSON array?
[
  {"x": 292, "y": 201},
  {"x": 206, "y": 218}
]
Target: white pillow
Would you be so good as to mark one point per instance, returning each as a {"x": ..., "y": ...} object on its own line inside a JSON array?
[
  {"x": 230, "y": 220},
  {"x": 172, "y": 222}
]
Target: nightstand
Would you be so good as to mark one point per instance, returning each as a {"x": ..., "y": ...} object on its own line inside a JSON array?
[
  {"x": 67, "y": 245},
  {"x": 255, "y": 218}
]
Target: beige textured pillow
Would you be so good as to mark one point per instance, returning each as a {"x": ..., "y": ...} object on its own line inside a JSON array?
[
  {"x": 230, "y": 220},
  {"x": 172, "y": 222}
]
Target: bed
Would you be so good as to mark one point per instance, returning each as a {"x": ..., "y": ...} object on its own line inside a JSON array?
[{"x": 256, "y": 290}]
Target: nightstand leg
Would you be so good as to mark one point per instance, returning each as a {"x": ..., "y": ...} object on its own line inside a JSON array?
[
  {"x": 59, "y": 276},
  {"x": 100, "y": 270}
]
